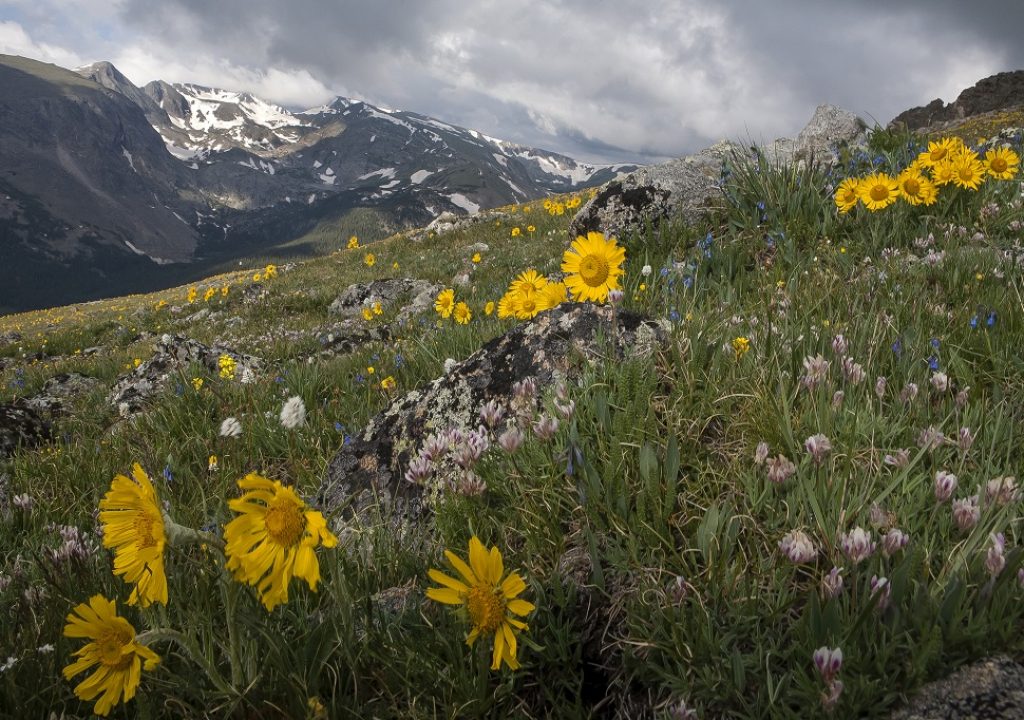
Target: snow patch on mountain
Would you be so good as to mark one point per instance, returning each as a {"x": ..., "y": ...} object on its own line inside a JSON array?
[
  {"x": 419, "y": 176},
  {"x": 460, "y": 200},
  {"x": 385, "y": 173}
]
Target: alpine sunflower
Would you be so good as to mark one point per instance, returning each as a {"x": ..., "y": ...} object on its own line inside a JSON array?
[
  {"x": 1002, "y": 163},
  {"x": 462, "y": 314},
  {"x": 915, "y": 188},
  {"x": 445, "y": 303},
  {"x": 847, "y": 195},
  {"x": 940, "y": 150},
  {"x": 553, "y": 295},
  {"x": 526, "y": 305},
  {"x": 273, "y": 539},
  {"x": 133, "y": 526},
  {"x": 878, "y": 191},
  {"x": 968, "y": 171},
  {"x": 113, "y": 647},
  {"x": 593, "y": 265},
  {"x": 490, "y": 601},
  {"x": 506, "y": 305},
  {"x": 529, "y": 281},
  {"x": 942, "y": 173}
]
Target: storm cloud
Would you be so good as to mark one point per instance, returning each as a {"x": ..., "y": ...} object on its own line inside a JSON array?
[{"x": 600, "y": 81}]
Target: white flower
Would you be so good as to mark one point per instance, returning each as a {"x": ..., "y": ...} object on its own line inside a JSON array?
[
  {"x": 645, "y": 270},
  {"x": 230, "y": 427},
  {"x": 449, "y": 365},
  {"x": 248, "y": 376},
  {"x": 798, "y": 547},
  {"x": 293, "y": 414}
]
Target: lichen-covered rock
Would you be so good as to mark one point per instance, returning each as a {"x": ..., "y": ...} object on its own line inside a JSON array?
[
  {"x": 21, "y": 427},
  {"x": 171, "y": 353},
  {"x": 348, "y": 335},
  {"x": 59, "y": 389},
  {"x": 1001, "y": 91},
  {"x": 992, "y": 689},
  {"x": 689, "y": 187},
  {"x": 370, "y": 469},
  {"x": 414, "y": 295}
]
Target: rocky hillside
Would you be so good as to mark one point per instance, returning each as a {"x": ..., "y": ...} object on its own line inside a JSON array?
[{"x": 774, "y": 476}]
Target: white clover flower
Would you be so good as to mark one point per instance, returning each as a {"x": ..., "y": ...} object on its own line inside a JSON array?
[
  {"x": 230, "y": 428},
  {"x": 293, "y": 414}
]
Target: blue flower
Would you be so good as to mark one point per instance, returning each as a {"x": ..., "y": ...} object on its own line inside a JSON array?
[
  {"x": 688, "y": 282},
  {"x": 991, "y": 319},
  {"x": 897, "y": 347},
  {"x": 168, "y": 475},
  {"x": 933, "y": 363},
  {"x": 664, "y": 272},
  {"x": 935, "y": 343},
  {"x": 399, "y": 360},
  {"x": 674, "y": 315},
  {"x": 338, "y": 427},
  {"x": 360, "y": 379},
  {"x": 974, "y": 322}
]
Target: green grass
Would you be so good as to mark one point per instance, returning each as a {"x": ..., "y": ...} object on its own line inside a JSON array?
[{"x": 651, "y": 486}]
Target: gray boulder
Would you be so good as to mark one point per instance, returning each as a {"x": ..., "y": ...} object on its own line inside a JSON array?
[
  {"x": 689, "y": 187},
  {"x": 171, "y": 354},
  {"x": 992, "y": 689},
  {"x": 20, "y": 427},
  {"x": 348, "y": 335},
  {"x": 415, "y": 296},
  {"x": 370, "y": 469},
  {"x": 59, "y": 390}
]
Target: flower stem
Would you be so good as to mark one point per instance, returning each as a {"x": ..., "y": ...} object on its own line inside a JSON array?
[
  {"x": 189, "y": 646},
  {"x": 230, "y": 589}
]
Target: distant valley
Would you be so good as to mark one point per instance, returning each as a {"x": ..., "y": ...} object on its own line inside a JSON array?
[{"x": 107, "y": 188}]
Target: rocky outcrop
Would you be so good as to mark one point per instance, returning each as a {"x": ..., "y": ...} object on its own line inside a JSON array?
[
  {"x": 996, "y": 92},
  {"x": 992, "y": 689},
  {"x": 20, "y": 427},
  {"x": 415, "y": 296},
  {"x": 173, "y": 353},
  {"x": 370, "y": 469},
  {"x": 59, "y": 390},
  {"x": 689, "y": 187}
]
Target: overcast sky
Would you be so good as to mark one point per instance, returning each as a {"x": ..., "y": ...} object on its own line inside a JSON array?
[{"x": 596, "y": 80}]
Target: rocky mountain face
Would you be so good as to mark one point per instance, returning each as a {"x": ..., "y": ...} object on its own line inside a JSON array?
[
  {"x": 108, "y": 188},
  {"x": 1001, "y": 91}
]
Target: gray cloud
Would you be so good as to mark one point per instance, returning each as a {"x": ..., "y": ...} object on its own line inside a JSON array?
[{"x": 594, "y": 80}]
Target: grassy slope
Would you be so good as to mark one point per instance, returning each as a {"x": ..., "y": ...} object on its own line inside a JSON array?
[{"x": 662, "y": 486}]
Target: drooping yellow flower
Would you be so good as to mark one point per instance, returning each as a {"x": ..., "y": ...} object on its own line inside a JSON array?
[
  {"x": 270, "y": 271},
  {"x": 273, "y": 539},
  {"x": 878, "y": 191},
  {"x": 916, "y": 189},
  {"x": 1002, "y": 163},
  {"x": 133, "y": 526},
  {"x": 462, "y": 314},
  {"x": 353, "y": 243},
  {"x": 489, "y": 307},
  {"x": 968, "y": 171},
  {"x": 490, "y": 601},
  {"x": 387, "y": 384},
  {"x": 740, "y": 346},
  {"x": 369, "y": 259},
  {"x": 227, "y": 365},
  {"x": 593, "y": 265},
  {"x": 113, "y": 647},
  {"x": 847, "y": 195},
  {"x": 445, "y": 303},
  {"x": 192, "y": 295}
]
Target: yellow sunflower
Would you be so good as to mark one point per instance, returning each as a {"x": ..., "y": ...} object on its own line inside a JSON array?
[
  {"x": 968, "y": 171},
  {"x": 445, "y": 303},
  {"x": 133, "y": 526},
  {"x": 553, "y": 294},
  {"x": 942, "y": 173},
  {"x": 273, "y": 539},
  {"x": 489, "y": 600},
  {"x": 593, "y": 265},
  {"x": 1002, "y": 163},
  {"x": 528, "y": 281},
  {"x": 526, "y": 305},
  {"x": 939, "y": 150},
  {"x": 847, "y": 195},
  {"x": 462, "y": 314},
  {"x": 915, "y": 188},
  {"x": 506, "y": 305},
  {"x": 113, "y": 647},
  {"x": 878, "y": 191}
]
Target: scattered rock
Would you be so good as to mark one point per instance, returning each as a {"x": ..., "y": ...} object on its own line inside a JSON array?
[
  {"x": 9, "y": 338},
  {"x": 349, "y": 335},
  {"x": 254, "y": 293},
  {"x": 1002, "y": 91},
  {"x": 172, "y": 353},
  {"x": 59, "y": 389},
  {"x": 992, "y": 689},
  {"x": 689, "y": 187},
  {"x": 21, "y": 427},
  {"x": 370, "y": 469},
  {"x": 418, "y": 294},
  {"x": 478, "y": 247}
]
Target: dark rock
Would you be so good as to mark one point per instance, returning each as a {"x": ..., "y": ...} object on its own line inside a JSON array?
[
  {"x": 21, "y": 427},
  {"x": 992, "y": 689},
  {"x": 1002, "y": 91},
  {"x": 172, "y": 353},
  {"x": 59, "y": 389},
  {"x": 370, "y": 469}
]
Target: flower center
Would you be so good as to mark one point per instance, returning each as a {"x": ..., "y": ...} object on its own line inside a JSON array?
[
  {"x": 111, "y": 646},
  {"x": 998, "y": 164},
  {"x": 879, "y": 192},
  {"x": 285, "y": 522},
  {"x": 911, "y": 186},
  {"x": 486, "y": 608},
  {"x": 594, "y": 270},
  {"x": 966, "y": 173},
  {"x": 145, "y": 537},
  {"x": 529, "y": 304}
]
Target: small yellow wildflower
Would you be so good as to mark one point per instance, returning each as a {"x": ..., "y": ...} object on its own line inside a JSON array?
[
  {"x": 256, "y": 277},
  {"x": 462, "y": 313},
  {"x": 394, "y": 265},
  {"x": 192, "y": 295},
  {"x": 353, "y": 243},
  {"x": 211, "y": 463},
  {"x": 740, "y": 346},
  {"x": 208, "y": 295},
  {"x": 489, "y": 307},
  {"x": 531, "y": 229},
  {"x": 445, "y": 303},
  {"x": 377, "y": 309},
  {"x": 224, "y": 291},
  {"x": 369, "y": 259},
  {"x": 476, "y": 258},
  {"x": 367, "y": 314},
  {"x": 387, "y": 384},
  {"x": 136, "y": 362},
  {"x": 197, "y": 384},
  {"x": 516, "y": 232},
  {"x": 270, "y": 271},
  {"x": 370, "y": 370},
  {"x": 227, "y": 364}
]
